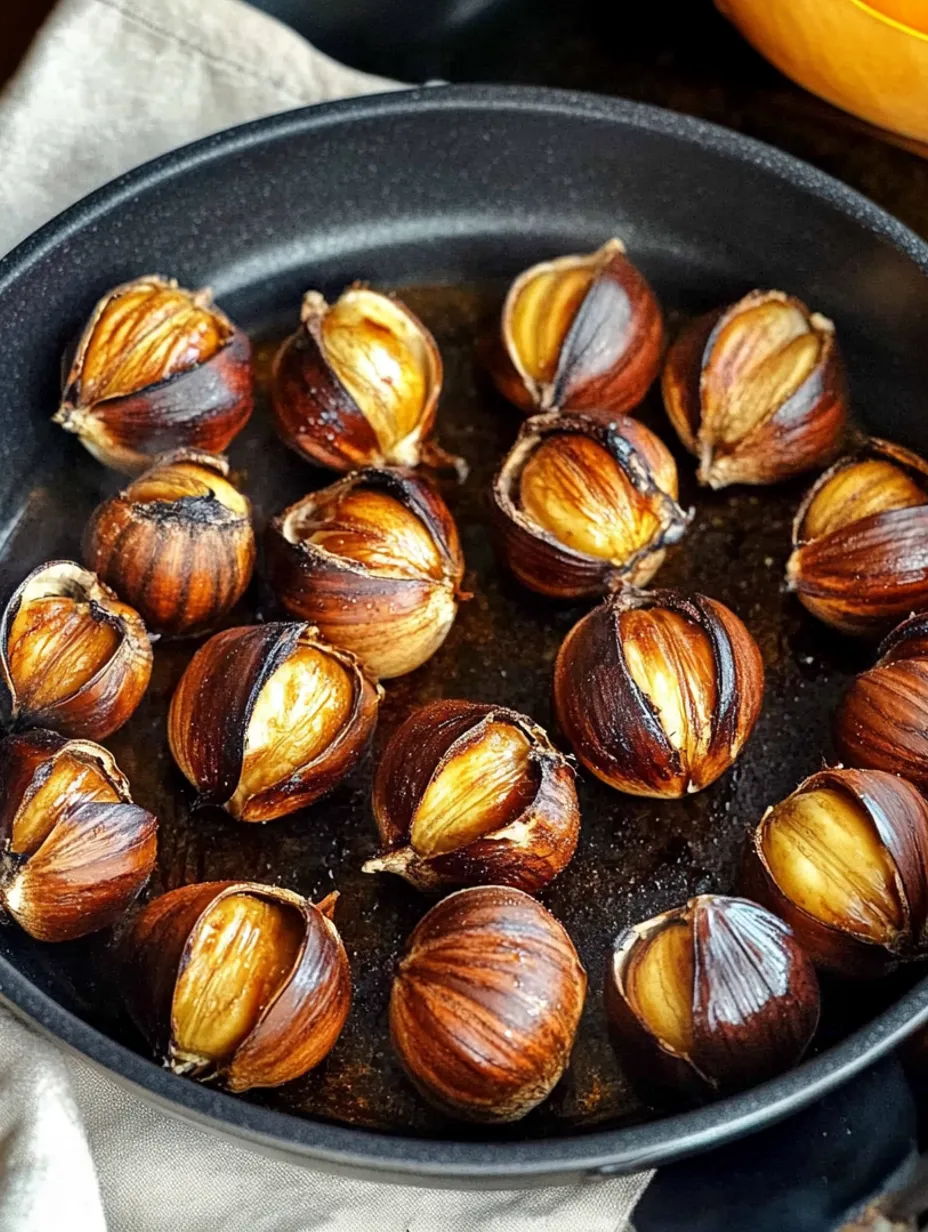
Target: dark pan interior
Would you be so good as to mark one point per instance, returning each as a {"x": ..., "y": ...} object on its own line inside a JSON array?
[{"x": 446, "y": 195}]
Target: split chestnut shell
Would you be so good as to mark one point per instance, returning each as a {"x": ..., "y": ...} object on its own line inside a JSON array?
[
  {"x": 74, "y": 848},
  {"x": 658, "y": 692},
  {"x": 485, "y": 1004},
  {"x": 860, "y": 541},
  {"x": 72, "y": 656},
  {"x": 584, "y": 503},
  {"x": 177, "y": 543},
  {"x": 757, "y": 391},
  {"x": 579, "y": 332},
  {"x": 467, "y": 794},
  {"x": 156, "y": 368},
  {"x": 375, "y": 562},
  {"x": 244, "y": 984},
  {"x": 844, "y": 860},
  {"x": 268, "y": 718},
  {"x": 709, "y": 998}
]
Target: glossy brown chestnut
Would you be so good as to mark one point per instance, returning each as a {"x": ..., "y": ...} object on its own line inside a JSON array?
[
  {"x": 72, "y": 656},
  {"x": 177, "y": 543},
  {"x": 844, "y": 860},
  {"x": 757, "y": 390},
  {"x": 156, "y": 368},
  {"x": 375, "y": 562},
  {"x": 358, "y": 384},
  {"x": 268, "y": 718},
  {"x": 584, "y": 503},
  {"x": 860, "y": 541},
  {"x": 74, "y": 849},
  {"x": 709, "y": 998},
  {"x": 485, "y": 1004},
  {"x": 244, "y": 984},
  {"x": 470, "y": 794},
  {"x": 579, "y": 332},
  {"x": 658, "y": 692}
]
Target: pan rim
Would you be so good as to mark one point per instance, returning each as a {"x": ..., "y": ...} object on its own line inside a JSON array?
[{"x": 410, "y": 1159}]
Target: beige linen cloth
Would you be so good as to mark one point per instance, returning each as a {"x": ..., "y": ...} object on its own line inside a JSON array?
[{"x": 107, "y": 85}]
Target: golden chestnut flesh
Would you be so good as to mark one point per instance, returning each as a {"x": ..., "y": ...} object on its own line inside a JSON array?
[
  {"x": 375, "y": 562},
  {"x": 466, "y": 793},
  {"x": 844, "y": 860},
  {"x": 658, "y": 692},
  {"x": 268, "y": 718},
  {"x": 485, "y": 1004},
  {"x": 72, "y": 656},
  {"x": 76, "y": 849},
  {"x": 709, "y": 998},
  {"x": 586, "y": 503},
  {"x": 241, "y": 983},
  {"x": 579, "y": 332},
  {"x": 177, "y": 543},
  {"x": 860, "y": 541},
  {"x": 756, "y": 391},
  {"x": 156, "y": 368}
]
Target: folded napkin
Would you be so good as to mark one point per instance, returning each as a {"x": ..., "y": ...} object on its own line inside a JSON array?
[{"x": 107, "y": 85}]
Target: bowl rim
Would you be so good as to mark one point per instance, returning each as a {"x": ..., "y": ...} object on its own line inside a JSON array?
[
  {"x": 374, "y": 1154},
  {"x": 894, "y": 23}
]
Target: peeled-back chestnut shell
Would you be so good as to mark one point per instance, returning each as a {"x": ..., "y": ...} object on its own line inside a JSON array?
[
  {"x": 75, "y": 848},
  {"x": 177, "y": 543},
  {"x": 392, "y": 620},
  {"x": 485, "y": 1004},
  {"x": 200, "y": 405},
  {"x": 599, "y": 321},
  {"x": 897, "y": 816},
  {"x": 222, "y": 691},
  {"x": 542, "y": 561},
  {"x": 868, "y": 573},
  {"x": 536, "y": 822},
  {"x": 745, "y": 996},
  {"x": 294, "y": 1031},
  {"x": 106, "y": 699},
  {"x": 714, "y": 685},
  {"x": 803, "y": 424}
]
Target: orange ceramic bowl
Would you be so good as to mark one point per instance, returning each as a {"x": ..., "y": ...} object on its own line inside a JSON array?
[{"x": 869, "y": 58}]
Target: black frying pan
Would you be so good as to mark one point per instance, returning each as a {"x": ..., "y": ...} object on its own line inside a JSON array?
[{"x": 449, "y": 192}]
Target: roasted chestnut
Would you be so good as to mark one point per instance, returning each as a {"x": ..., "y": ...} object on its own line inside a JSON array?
[
  {"x": 72, "y": 656},
  {"x": 467, "y": 794},
  {"x": 757, "y": 390},
  {"x": 358, "y": 384},
  {"x": 579, "y": 332},
  {"x": 156, "y": 368},
  {"x": 585, "y": 503},
  {"x": 844, "y": 860},
  {"x": 268, "y": 718},
  {"x": 75, "y": 849},
  {"x": 882, "y": 722},
  {"x": 244, "y": 984},
  {"x": 860, "y": 541},
  {"x": 485, "y": 1004},
  {"x": 658, "y": 692},
  {"x": 709, "y": 998},
  {"x": 177, "y": 543},
  {"x": 375, "y": 562}
]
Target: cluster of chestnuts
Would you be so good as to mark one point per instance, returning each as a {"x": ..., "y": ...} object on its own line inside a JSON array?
[{"x": 656, "y": 691}]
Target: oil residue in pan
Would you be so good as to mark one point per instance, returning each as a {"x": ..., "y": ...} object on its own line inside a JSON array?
[{"x": 636, "y": 857}]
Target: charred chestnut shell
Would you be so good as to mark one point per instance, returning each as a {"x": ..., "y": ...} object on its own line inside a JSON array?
[
  {"x": 658, "y": 692},
  {"x": 757, "y": 390},
  {"x": 844, "y": 860},
  {"x": 375, "y": 562},
  {"x": 156, "y": 368},
  {"x": 576, "y": 482},
  {"x": 469, "y": 794},
  {"x": 709, "y": 998}
]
